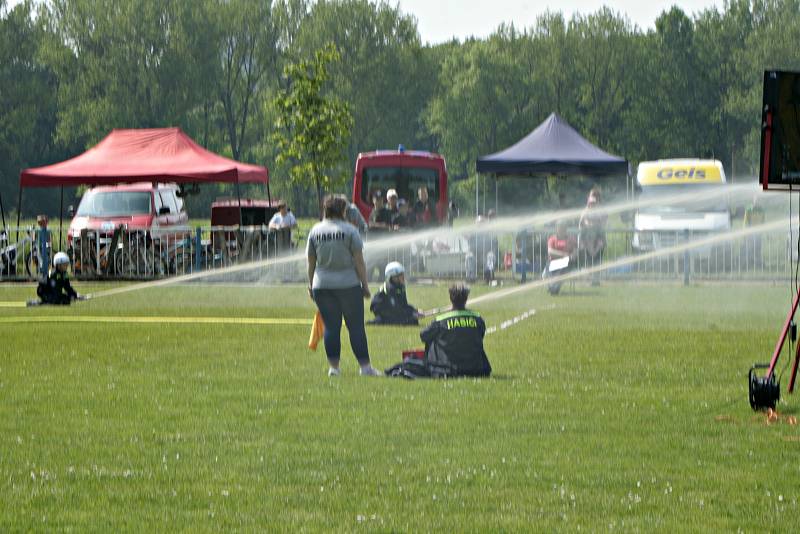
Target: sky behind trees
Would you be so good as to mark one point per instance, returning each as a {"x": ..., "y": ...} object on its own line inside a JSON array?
[{"x": 440, "y": 20}]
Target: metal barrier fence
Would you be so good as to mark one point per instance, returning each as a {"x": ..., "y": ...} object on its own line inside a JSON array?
[
  {"x": 138, "y": 254},
  {"x": 135, "y": 254},
  {"x": 523, "y": 255}
]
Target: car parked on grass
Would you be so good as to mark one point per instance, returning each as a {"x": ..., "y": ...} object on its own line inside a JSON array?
[{"x": 153, "y": 211}]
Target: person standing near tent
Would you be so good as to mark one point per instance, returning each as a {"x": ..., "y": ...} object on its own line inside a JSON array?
[
  {"x": 337, "y": 281},
  {"x": 592, "y": 232},
  {"x": 283, "y": 218},
  {"x": 282, "y": 223}
]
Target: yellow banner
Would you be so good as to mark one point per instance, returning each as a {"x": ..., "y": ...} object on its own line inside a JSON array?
[{"x": 671, "y": 172}]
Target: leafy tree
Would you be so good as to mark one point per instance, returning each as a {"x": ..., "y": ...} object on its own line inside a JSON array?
[
  {"x": 384, "y": 74},
  {"x": 312, "y": 129},
  {"x": 603, "y": 69},
  {"x": 247, "y": 40},
  {"x": 116, "y": 66},
  {"x": 27, "y": 104},
  {"x": 771, "y": 44}
]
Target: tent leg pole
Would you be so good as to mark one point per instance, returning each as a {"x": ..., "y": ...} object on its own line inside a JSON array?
[
  {"x": 61, "y": 220},
  {"x": 19, "y": 211},
  {"x": 239, "y": 200},
  {"x": 269, "y": 196},
  {"x": 2, "y": 213},
  {"x": 496, "y": 202},
  {"x": 477, "y": 201}
]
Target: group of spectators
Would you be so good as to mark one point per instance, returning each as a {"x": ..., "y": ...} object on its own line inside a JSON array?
[{"x": 393, "y": 214}]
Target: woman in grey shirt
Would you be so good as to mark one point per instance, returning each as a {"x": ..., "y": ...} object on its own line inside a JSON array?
[{"x": 337, "y": 279}]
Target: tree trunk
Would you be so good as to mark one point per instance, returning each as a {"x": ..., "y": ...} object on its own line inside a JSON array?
[{"x": 319, "y": 195}]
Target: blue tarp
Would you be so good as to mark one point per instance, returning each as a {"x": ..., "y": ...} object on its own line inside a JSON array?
[{"x": 554, "y": 147}]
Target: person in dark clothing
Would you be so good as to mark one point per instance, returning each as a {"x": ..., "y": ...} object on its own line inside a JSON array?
[
  {"x": 402, "y": 220},
  {"x": 454, "y": 340},
  {"x": 390, "y": 304},
  {"x": 423, "y": 211},
  {"x": 56, "y": 289},
  {"x": 380, "y": 219}
]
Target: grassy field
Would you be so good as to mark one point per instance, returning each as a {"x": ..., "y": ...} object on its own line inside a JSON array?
[{"x": 617, "y": 408}]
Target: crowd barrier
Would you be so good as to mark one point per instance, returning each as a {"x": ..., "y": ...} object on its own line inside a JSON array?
[
  {"x": 521, "y": 255},
  {"x": 123, "y": 254}
]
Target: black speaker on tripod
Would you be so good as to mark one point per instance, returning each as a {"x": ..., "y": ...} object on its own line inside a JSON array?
[{"x": 780, "y": 131}]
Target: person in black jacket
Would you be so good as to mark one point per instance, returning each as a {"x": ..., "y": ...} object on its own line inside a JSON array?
[
  {"x": 56, "y": 289},
  {"x": 390, "y": 304},
  {"x": 454, "y": 340}
]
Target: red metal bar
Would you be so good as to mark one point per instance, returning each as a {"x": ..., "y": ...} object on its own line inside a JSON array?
[{"x": 784, "y": 332}]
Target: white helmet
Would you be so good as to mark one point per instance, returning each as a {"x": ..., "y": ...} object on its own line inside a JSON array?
[
  {"x": 393, "y": 269},
  {"x": 60, "y": 259}
]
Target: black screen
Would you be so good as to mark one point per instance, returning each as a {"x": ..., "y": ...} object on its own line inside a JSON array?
[{"x": 780, "y": 131}]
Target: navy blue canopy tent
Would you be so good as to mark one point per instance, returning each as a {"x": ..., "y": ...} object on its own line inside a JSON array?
[{"x": 554, "y": 147}]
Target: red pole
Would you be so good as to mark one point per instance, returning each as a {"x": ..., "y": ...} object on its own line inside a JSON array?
[{"x": 784, "y": 332}]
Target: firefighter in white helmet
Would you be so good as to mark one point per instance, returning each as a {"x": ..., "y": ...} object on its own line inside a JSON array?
[
  {"x": 56, "y": 289},
  {"x": 390, "y": 304}
]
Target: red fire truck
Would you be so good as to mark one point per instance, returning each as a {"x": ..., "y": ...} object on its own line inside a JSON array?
[{"x": 405, "y": 171}]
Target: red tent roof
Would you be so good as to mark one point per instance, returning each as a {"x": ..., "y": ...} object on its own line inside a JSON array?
[{"x": 149, "y": 155}]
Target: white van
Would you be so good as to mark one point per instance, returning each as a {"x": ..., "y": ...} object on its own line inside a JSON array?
[{"x": 660, "y": 224}]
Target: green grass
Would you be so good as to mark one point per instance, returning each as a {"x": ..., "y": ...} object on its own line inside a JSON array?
[{"x": 612, "y": 408}]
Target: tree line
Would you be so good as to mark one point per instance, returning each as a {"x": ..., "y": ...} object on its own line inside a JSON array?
[{"x": 72, "y": 70}]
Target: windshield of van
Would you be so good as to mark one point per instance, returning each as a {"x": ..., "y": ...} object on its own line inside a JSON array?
[
  {"x": 114, "y": 204},
  {"x": 405, "y": 180},
  {"x": 664, "y": 199}
]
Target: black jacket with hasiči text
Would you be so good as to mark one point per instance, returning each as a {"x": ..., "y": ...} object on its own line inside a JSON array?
[{"x": 454, "y": 341}]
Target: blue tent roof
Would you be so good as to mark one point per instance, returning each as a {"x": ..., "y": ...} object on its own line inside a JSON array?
[{"x": 554, "y": 147}]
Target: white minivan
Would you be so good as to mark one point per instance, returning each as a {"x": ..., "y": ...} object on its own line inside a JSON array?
[{"x": 667, "y": 208}]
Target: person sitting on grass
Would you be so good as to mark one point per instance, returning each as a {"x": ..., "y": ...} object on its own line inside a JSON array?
[
  {"x": 559, "y": 246},
  {"x": 390, "y": 304},
  {"x": 56, "y": 289},
  {"x": 453, "y": 344}
]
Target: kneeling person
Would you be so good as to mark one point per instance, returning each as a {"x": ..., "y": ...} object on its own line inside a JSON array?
[
  {"x": 57, "y": 289},
  {"x": 390, "y": 304}
]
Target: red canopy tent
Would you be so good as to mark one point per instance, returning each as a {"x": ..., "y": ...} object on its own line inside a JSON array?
[
  {"x": 144, "y": 155},
  {"x": 156, "y": 154}
]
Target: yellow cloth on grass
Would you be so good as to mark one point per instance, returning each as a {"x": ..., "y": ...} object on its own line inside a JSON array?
[{"x": 317, "y": 331}]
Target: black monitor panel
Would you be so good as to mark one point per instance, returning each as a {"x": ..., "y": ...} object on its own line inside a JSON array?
[{"x": 780, "y": 131}]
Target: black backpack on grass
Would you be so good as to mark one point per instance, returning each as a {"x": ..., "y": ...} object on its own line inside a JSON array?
[{"x": 418, "y": 368}]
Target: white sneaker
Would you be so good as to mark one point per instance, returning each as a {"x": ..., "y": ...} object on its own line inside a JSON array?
[
  {"x": 370, "y": 371},
  {"x": 334, "y": 371}
]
